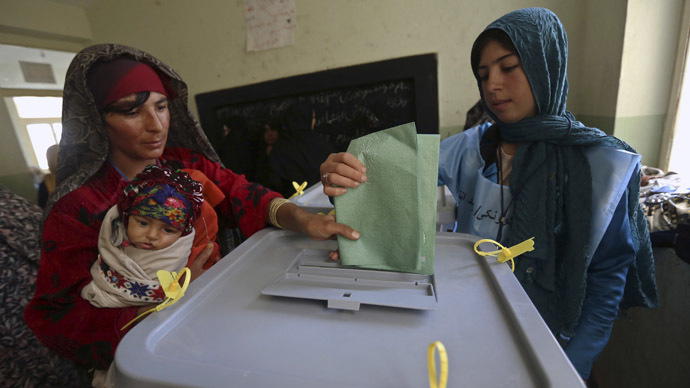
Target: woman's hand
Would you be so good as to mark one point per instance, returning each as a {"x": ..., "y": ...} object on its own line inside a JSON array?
[
  {"x": 316, "y": 226},
  {"x": 341, "y": 170},
  {"x": 144, "y": 309},
  {"x": 322, "y": 227}
]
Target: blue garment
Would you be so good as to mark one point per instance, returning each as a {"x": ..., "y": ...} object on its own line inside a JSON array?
[
  {"x": 555, "y": 177},
  {"x": 605, "y": 285},
  {"x": 476, "y": 191}
]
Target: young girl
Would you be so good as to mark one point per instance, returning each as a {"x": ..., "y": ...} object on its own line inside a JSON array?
[
  {"x": 150, "y": 229},
  {"x": 540, "y": 173}
]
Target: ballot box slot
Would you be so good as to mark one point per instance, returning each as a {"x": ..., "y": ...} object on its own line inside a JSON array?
[{"x": 312, "y": 275}]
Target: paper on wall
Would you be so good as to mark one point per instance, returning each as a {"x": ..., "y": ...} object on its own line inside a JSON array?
[{"x": 269, "y": 23}]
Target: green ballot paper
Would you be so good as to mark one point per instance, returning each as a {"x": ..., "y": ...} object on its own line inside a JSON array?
[{"x": 395, "y": 209}]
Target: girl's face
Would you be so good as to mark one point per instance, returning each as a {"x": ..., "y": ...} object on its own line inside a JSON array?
[
  {"x": 507, "y": 92},
  {"x": 150, "y": 233},
  {"x": 140, "y": 133}
]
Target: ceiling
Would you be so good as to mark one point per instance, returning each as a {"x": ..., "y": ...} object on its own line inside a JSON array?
[{"x": 12, "y": 76}]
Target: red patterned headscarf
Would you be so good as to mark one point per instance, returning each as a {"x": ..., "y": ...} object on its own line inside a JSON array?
[{"x": 170, "y": 196}]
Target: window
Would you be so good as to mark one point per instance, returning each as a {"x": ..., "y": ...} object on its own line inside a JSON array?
[
  {"x": 31, "y": 83},
  {"x": 674, "y": 154},
  {"x": 679, "y": 158},
  {"x": 40, "y": 117}
]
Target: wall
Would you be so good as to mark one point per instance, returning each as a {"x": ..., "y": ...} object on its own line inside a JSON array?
[
  {"x": 14, "y": 173},
  {"x": 595, "y": 62},
  {"x": 44, "y": 19},
  {"x": 649, "y": 53},
  {"x": 205, "y": 40}
]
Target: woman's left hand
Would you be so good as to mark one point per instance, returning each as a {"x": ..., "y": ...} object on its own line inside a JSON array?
[
  {"x": 322, "y": 227},
  {"x": 197, "y": 266},
  {"x": 316, "y": 226}
]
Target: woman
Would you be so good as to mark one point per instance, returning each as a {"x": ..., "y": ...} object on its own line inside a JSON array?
[
  {"x": 546, "y": 176},
  {"x": 124, "y": 110}
]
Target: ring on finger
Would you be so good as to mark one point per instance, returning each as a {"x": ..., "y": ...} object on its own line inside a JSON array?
[{"x": 325, "y": 178}]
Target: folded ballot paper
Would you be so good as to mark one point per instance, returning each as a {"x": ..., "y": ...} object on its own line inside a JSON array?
[{"x": 395, "y": 209}]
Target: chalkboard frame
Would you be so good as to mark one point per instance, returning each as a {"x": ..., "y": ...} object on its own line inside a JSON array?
[{"x": 421, "y": 70}]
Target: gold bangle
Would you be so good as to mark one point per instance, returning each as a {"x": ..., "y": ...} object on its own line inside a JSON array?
[{"x": 273, "y": 207}]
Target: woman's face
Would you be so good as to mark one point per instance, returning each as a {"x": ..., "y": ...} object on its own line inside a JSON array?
[
  {"x": 139, "y": 134},
  {"x": 507, "y": 92}
]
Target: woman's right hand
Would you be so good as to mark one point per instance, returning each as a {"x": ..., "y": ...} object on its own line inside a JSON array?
[
  {"x": 197, "y": 266},
  {"x": 340, "y": 171}
]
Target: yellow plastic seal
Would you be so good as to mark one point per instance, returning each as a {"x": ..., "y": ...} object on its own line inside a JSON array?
[
  {"x": 442, "y": 379},
  {"x": 170, "y": 282},
  {"x": 504, "y": 254},
  {"x": 299, "y": 189}
]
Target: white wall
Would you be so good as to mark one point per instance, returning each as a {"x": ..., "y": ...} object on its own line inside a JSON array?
[
  {"x": 205, "y": 40},
  {"x": 44, "y": 19}
]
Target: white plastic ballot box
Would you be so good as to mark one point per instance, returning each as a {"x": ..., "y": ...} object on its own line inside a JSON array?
[{"x": 226, "y": 333}]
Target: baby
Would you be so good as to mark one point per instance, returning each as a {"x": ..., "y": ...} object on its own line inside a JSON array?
[{"x": 150, "y": 229}]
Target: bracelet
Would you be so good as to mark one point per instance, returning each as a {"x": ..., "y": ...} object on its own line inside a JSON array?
[{"x": 275, "y": 204}]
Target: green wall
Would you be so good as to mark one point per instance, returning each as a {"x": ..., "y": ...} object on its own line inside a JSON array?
[
  {"x": 21, "y": 184},
  {"x": 605, "y": 123},
  {"x": 643, "y": 133}
]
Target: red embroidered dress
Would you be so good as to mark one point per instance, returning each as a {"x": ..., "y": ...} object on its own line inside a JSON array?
[
  {"x": 59, "y": 316},
  {"x": 88, "y": 186}
]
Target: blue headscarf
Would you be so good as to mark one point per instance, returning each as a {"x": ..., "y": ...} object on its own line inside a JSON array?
[{"x": 551, "y": 178}]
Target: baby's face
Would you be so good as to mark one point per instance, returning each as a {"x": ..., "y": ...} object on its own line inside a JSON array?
[{"x": 150, "y": 233}]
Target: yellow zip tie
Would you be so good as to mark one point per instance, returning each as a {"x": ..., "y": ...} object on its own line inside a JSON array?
[
  {"x": 431, "y": 360},
  {"x": 299, "y": 189},
  {"x": 505, "y": 254},
  {"x": 170, "y": 282}
]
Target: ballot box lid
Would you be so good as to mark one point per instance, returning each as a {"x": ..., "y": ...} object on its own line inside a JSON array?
[{"x": 226, "y": 333}]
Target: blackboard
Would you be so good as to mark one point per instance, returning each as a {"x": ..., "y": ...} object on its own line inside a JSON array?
[{"x": 348, "y": 103}]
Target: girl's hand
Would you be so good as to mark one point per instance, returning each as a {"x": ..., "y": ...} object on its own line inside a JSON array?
[{"x": 340, "y": 171}]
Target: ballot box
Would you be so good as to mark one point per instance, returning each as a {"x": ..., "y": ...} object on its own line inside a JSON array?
[{"x": 226, "y": 333}]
